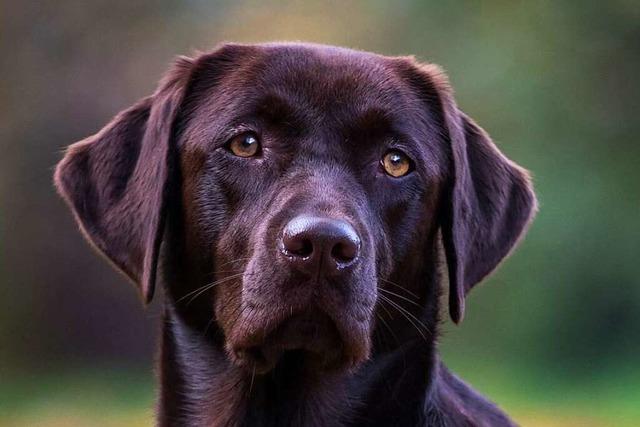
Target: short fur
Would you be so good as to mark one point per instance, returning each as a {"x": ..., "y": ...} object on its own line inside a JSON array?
[{"x": 157, "y": 188}]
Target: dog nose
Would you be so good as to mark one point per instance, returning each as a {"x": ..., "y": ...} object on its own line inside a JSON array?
[{"x": 318, "y": 243}]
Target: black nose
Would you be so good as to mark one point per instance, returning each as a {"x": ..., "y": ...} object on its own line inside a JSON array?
[{"x": 320, "y": 245}]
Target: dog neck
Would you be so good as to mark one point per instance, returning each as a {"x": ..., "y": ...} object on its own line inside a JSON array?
[{"x": 201, "y": 387}]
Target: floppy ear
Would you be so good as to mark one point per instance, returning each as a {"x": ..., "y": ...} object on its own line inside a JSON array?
[
  {"x": 116, "y": 181},
  {"x": 488, "y": 209},
  {"x": 489, "y": 201}
]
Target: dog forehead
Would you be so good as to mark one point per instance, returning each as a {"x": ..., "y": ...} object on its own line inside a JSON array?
[
  {"x": 310, "y": 88},
  {"x": 320, "y": 62},
  {"x": 322, "y": 82},
  {"x": 327, "y": 75}
]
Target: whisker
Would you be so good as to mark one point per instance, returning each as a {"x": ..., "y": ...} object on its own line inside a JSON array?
[
  {"x": 234, "y": 260},
  {"x": 409, "y": 316},
  {"x": 416, "y": 327},
  {"x": 253, "y": 374},
  {"x": 400, "y": 287},
  {"x": 400, "y": 296},
  {"x": 384, "y": 322},
  {"x": 208, "y": 286},
  {"x": 240, "y": 270},
  {"x": 386, "y": 310},
  {"x": 227, "y": 263},
  {"x": 206, "y": 328},
  {"x": 425, "y": 327}
]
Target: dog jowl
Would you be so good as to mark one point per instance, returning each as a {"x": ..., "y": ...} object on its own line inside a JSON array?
[{"x": 296, "y": 202}]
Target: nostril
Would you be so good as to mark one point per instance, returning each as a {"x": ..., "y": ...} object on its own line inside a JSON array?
[
  {"x": 297, "y": 245},
  {"x": 345, "y": 252},
  {"x": 308, "y": 240}
]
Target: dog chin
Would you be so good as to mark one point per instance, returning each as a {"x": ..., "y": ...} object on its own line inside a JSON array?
[{"x": 308, "y": 340}]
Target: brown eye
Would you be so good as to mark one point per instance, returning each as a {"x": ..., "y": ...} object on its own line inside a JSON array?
[
  {"x": 396, "y": 163},
  {"x": 244, "y": 145}
]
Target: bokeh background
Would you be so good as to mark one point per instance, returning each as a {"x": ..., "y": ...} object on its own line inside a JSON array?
[{"x": 553, "y": 337}]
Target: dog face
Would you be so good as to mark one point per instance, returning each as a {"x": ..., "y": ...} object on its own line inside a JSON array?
[
  {"x": 297, "y": 180},
  {"x": 326, "y": 182}
]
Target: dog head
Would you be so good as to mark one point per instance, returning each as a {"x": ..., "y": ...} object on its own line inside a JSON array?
[{"x": 292, "y": 184}]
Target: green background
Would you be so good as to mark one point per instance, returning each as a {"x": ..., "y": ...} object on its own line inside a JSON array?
[{"x": 553, "y": 336}]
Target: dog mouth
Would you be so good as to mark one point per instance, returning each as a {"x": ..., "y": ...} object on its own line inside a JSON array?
[{"x": 310, "y": 338}]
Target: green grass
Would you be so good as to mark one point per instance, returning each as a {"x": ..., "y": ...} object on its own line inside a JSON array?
[
  {"x": 122, "y": 398},
  {"x": 608, "y": 397},
  {"x": 77, "y": 399}
]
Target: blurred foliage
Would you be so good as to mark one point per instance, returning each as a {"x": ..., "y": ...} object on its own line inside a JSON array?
[
  {"x": 116, "y": 398},
  {"x": 555, "y": 84}
]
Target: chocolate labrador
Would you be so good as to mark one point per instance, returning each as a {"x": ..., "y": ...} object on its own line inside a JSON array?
[{"x": 296, "y": 202}]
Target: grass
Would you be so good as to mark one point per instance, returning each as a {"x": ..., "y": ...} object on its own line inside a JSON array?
[
  {"x": 77, "y": 399},
  {"x": 608, "y": 397},
  {"x": 125, "y": 398}
]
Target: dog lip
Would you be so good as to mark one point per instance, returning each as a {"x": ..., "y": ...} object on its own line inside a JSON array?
[{"x": 313, "y": 334}]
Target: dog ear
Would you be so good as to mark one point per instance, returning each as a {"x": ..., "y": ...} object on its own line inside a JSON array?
[
  {"x": 116, "y": 181},
  {"x": 489, "y": 207},
  {"x": 489, "y": 201}
]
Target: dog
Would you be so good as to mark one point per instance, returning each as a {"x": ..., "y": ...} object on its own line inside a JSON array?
[{"x": 303, "y": 207}]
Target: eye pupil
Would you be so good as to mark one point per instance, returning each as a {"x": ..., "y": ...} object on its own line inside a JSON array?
[
  {"x": 244, "y": 145},
  {"x": 248, "y": 141},
  {"x": 396, "y": 163}
]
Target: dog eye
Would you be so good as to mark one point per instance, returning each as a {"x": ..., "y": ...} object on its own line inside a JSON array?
[
  {"x": 244, "y": 145},
  {"x": 396, "y": 163}
]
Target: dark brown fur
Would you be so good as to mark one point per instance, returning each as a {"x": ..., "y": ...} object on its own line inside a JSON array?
[{"x": 156, "y": 190}]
